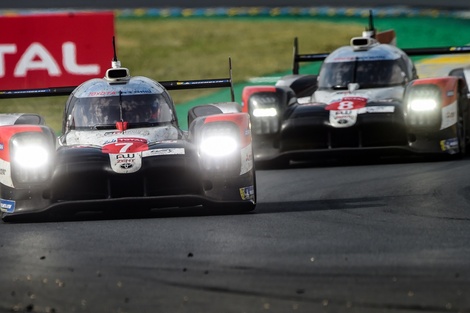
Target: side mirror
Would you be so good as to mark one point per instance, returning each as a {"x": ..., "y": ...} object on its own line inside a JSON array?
[
  {"x": 404, "y": 79},
  {"x": 353, "y": 86}
]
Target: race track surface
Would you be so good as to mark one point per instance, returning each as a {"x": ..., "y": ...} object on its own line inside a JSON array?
[
  {"x": 334, "y": 237},
  {"x": 340, "y": 236}
]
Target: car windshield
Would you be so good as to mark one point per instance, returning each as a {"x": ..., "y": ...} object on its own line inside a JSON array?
[
  {"x": 368, "y": 74},
  {"x": 92, "y": 112}
]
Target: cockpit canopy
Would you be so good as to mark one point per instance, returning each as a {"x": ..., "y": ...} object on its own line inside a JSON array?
[
  {"x": 369, "y": 69},
  {"x": 97, "y": 104}
]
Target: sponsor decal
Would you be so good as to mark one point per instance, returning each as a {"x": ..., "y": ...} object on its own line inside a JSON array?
[
  {"x": 247, "y": 193},
  {"x": 131, "y": 139},
  {"x": 343, "y": 113},
  {"x": 109, "y": 141},
  {"x": 102, "y": 93},
  {"x": 449, "y": 115},
  {"x": 377, "y": 109},
  {"x": 361, "y": 58},
  {"x": 347, "y": 103},
  {"x": 31, "y": 58},
  {"x": 126, "y": 166},
  {"x": 246, "y": 159},
  {"x": 450, "y": 145},
  {"x": 163, "y": 151},
  {"x": 123, "y": 145},
  {"x": 123, "y": 91},
  {"x": 5, "y": 177},
  {"x": 129, "y": 131},
  {"x": 126, "y": 162},
  {"x": 344, "y": 118},
  {"x": 1, "y": 146},
  {"x": 7, "y": 206}
]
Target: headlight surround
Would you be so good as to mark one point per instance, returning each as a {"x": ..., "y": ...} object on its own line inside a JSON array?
[
  {"x": 423, "y": 98},
  {"x": 264, "y": 108},
  {"x": 423, "y": 105},
  {"x": 31, "y": 155},
  {"x": 219, "y": 146}
]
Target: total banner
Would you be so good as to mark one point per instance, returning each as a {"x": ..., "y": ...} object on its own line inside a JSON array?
[{"x": 54, "y": 49}]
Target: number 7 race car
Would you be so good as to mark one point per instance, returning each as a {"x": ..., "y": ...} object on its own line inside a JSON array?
[
  {"x": 366, "y": 100},
  {"x": 121, "y": 149}
]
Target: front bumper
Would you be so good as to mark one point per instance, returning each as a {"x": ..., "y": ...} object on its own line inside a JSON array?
[
  {"x": 312, "y": 136},
  {"x": 131, "y": 205},
  {"x": 84, "y": 180}
]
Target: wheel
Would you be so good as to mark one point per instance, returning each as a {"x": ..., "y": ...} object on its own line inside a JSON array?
[
  {"x": 461, "y": 136},
  {"x": 462, "y": 126}
]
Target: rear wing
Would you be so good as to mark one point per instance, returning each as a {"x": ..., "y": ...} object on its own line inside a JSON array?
[
  {"x": 318, "y": 57},
  {"x": 169, "y": 85},
  {"x": 315, "y": 57}
]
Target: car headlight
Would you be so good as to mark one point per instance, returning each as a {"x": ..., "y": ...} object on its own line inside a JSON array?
[
  {"x": 218, "y": 146},
  {"x": 420, "y": 105},
  {"x": 422, "y": 98},
  {"x": 31, "y": 155},
  {"x": 423, "y": 103},
  {"x": 264, "y": 112}
]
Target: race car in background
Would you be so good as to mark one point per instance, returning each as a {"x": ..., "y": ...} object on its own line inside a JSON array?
[
  {"x": 121, "y": 148},
  {"x": 366, "y": 100}
]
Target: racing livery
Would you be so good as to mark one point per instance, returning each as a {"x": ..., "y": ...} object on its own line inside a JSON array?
[
  {"x": 367, "y": 98},
  {"x": 121, "y": 149}
]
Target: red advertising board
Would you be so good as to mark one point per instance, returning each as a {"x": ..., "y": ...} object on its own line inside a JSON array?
[{"x": 54, "y": 49}]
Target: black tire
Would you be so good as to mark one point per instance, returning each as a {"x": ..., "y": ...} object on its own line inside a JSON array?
[
  {"x": 462, "y": 125},
  {"x": 461, "y": 136}
]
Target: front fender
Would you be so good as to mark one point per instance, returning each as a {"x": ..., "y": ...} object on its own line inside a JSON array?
[
  {"x": 432, "y": 103},
  {"x": 266, "y": 106},
  {"x": 220, "y": 129}
]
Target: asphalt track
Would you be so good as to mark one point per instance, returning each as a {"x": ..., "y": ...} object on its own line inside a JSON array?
[{"x": 334, "y": 237}]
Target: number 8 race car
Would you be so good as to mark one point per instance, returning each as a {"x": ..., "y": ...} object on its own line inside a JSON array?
[
  {"x": 121, "y": 148},
  {"x": 366, "y": 100}
]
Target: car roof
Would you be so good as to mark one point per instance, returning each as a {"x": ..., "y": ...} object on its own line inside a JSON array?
[
  {"x": 372, "y": 53},
  {"x": 137, "y": 85}
]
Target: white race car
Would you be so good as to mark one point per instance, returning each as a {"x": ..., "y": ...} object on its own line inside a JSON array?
[
  {"x": 367, "y": 99},
  {"x": 121, "y": 149}
]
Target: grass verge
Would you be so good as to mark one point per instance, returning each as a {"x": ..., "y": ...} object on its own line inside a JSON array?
[{"x": 184, "y": 49}]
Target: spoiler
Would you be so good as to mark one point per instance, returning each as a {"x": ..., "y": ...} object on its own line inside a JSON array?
[
  {"x": 317, "y": 57},
  {"x": 169, "y": 85},
  {"x": 382, "y": 37}
]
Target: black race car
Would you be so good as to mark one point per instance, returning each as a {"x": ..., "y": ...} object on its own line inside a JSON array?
[{"x": 121, "y": 149}]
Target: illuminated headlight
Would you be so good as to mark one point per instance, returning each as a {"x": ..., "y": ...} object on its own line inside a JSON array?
[
  {"x": 31, "y": 157},
  {"x": 265, "y": 112},
  {"x": 218, "y": 146},
  {"x": 420, "y": 105}
]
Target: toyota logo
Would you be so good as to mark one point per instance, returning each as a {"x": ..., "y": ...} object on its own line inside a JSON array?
[{"x": 126, "y": 165}]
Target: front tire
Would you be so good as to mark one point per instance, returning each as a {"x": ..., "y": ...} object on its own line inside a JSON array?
[{"x": 462, "y": 133}]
